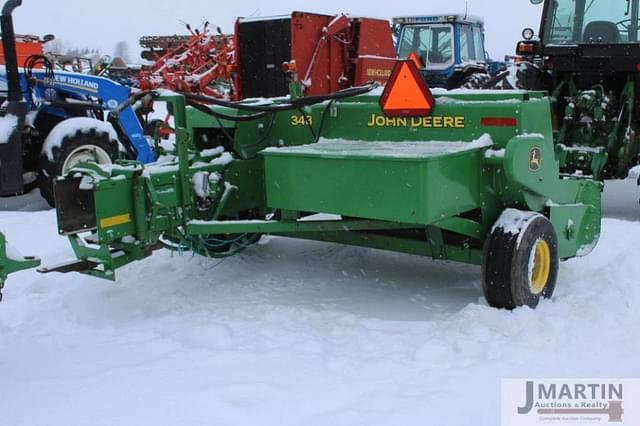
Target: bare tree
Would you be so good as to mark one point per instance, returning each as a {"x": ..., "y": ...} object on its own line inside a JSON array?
[{"x": 122, "y": 50}]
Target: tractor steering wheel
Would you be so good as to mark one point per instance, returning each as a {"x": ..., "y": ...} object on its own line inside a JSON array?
[{"x": 625, "y": 24}]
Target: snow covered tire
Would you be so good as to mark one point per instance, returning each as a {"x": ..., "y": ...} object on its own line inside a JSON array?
[
  {"x": 521, "y": 262},
  {"x": 105, "y": 150},
  {"x": 476, "y": 81}
]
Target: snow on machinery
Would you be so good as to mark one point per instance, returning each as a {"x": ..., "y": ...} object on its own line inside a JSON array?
[
  {"x": 115, "y": 69},
  {"x": 330, "y": 53},
  {"x": 155, "y": 47},
  {"x": 52, "y": 120},
  {"x": 202, "y": 64},
  {"x": 586, "y": 57},
  {"x": 450, "y": 49},
  {"x": 469, "y": 177}
]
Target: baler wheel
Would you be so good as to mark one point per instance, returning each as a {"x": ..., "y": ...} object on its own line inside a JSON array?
[
  {"x": 92, "y": 145},
  {"x": 520, "y": 266}
]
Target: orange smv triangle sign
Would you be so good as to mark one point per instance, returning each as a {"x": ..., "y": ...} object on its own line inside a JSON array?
[
  {"x": 406, "y": 93},
  {"x": 414, "y": 57}
]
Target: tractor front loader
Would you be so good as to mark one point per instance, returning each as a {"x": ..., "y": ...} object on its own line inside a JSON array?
[
  {"x": 72, "y": 117},
  {"x": 469, "y": 177}
]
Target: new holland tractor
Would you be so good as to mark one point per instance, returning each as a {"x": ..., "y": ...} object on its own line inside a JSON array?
[
  {"x": 587, "y": 56},
  {"x": 51, "y": 120}
]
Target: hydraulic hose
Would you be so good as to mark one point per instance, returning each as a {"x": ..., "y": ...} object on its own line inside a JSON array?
[
  {"x": 291, "y": 105},
  {"x": 33, "y": 61},
  {"x": 235, "y": 118},
  {"x": 143, "y": 97}
]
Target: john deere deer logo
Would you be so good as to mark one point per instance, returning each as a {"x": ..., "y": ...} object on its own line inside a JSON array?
[{"x": 535, "y": 159}]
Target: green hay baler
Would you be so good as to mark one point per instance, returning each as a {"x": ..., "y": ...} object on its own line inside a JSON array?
[{"x": 476, "y": 181}]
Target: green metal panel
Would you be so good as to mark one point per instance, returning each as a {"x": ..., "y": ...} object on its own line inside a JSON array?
[
  {"x": 287, "y": 227},
  {"x": 401, "y": 243},
  {"x": 248, "y": 175},
  {"x": 114, "y": 205},
  {"x": 416, "y": 183},
  {"x": 457, "y": 117}
]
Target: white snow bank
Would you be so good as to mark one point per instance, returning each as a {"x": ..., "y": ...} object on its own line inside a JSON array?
[
  {"x": 635, "y": 172},
  {"x": 329, "y": 335},
  {"x": 8, "y": 124},
  {"x": 70, "y": 127}
]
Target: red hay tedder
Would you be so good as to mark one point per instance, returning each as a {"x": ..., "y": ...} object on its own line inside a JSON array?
[{"x": 194, "y": 67}]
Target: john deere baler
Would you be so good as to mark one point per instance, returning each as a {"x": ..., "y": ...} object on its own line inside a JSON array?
[{"x": 473, "y": 180}]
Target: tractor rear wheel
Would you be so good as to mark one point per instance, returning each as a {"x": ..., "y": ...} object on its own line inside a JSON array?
[
  {"x": 476, "y": 81},
  {"x": 521, "y": 263},
  {"x": 80, "y": 146}
]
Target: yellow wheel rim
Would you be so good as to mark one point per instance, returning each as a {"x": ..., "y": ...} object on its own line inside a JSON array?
[{"x": 541, "y": 267}]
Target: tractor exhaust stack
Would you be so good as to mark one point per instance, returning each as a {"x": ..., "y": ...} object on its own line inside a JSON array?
[{"x": 11, "y": 167}]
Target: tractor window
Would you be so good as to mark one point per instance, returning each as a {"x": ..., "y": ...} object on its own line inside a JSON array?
[
  {"x": 607, "y": 21},
  {"x": 478, "y": 42},
  {"x": 432, "y": 43},
  {"x": 590, "y": 21},
  {"x": 467, "y": 50}
]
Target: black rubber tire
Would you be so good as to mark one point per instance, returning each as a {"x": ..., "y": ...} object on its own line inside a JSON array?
[
  {"x": 476, "y": 81},
  {"x": 506, "y": 274},
  {"x": 532, "y": 77},
  {"x": 51, "y": 169}
]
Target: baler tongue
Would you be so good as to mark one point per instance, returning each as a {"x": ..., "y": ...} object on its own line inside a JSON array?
[
  {"x": 392, "y": 181},
  {"x": 11, "y": 262}
]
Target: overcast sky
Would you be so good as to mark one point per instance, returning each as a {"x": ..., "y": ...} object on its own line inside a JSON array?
[{"x": 91, "y": 23}]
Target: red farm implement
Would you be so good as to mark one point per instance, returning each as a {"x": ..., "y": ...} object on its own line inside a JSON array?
[
  {"x": 330, "y": 53},
  {"x": 196, "y": 66}
]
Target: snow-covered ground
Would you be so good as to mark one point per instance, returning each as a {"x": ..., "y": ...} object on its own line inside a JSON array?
[{"x": 301, "y": 333}]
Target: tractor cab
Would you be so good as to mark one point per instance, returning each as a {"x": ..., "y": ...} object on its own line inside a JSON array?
[
  {"x": 591, "y": 37},
  {"x": 450, "y": 48},
  {"x": 587, "y": 57}
]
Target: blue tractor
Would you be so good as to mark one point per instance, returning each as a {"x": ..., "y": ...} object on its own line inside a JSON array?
[
  {"x": 52, "y": 120},
  {"x": 450, "y": 49}
]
